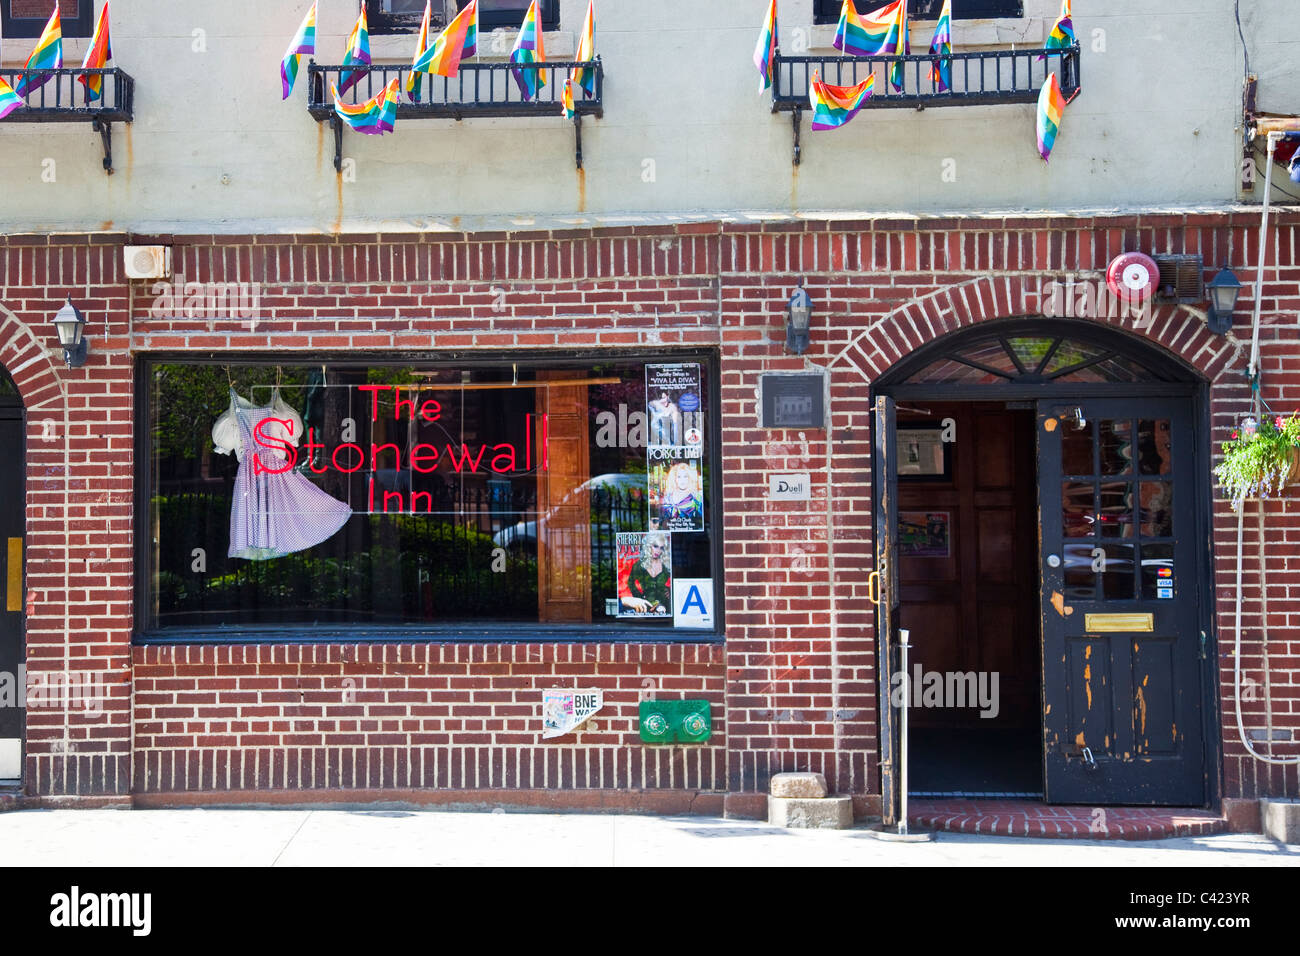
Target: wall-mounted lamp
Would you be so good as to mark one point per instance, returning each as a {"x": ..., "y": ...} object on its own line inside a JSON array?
[
  {"x": 1224, "y": 289},
  {"x": 69, "y": 322},
  {"x": 798, "y": 318}
]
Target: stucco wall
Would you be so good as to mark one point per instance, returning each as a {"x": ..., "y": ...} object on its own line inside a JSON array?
[{"x": 213, "y": 148}]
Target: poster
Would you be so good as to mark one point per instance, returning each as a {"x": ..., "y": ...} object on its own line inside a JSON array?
[
  {"x": 563, "y": 710},
  {"x": 676, "y": 492},
  {"x": 675, "y": 450},
  {"x": 924, "y": 534},
  {"x": 644, "y": 574},
  {"x": 920, "y": 452},
  {"x": 693, "y": 602}
]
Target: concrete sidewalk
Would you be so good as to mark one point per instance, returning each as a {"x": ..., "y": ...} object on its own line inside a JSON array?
[{"x": 397, "y": 837}]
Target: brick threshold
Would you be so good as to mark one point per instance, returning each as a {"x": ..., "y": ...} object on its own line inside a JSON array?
[{"x": 1031, "y": 818}]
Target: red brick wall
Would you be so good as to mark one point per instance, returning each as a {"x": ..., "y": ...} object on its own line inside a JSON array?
[{"x": 794, "y": 686}]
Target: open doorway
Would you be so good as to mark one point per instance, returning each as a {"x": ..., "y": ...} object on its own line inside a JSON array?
[
  {"x": 1040, "y": 494},
  {"x": 968, "y": 545}
]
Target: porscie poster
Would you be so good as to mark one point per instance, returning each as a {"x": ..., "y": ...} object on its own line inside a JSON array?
[{"x": 675, "y": 448}]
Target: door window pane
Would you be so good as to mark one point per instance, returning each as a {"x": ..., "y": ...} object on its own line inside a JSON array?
[
  {"x": 1117, "y": 580},
  {"x": 1157, "y": 509},
  {"x": 1076, "y": 451},
  {"x": 1157, "y": 570},
  {"x": 1155, "y": 454},
  {"x": 1115, "y": 443},
  {"x": 1080, "y": 578},
  {"x": 1115, "y": 514},
  {"x": 1076, "y": 509}
]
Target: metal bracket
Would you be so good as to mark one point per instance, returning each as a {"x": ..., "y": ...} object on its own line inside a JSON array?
[
  {"x": 336, "y": 124},
  {"x": 577, "y": 138},
  {"x": 795, "y": 114},
  {"x": 105, "y": 131}
]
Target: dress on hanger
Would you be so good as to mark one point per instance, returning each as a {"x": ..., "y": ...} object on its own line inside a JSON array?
[{"x": 272, "y": 514}]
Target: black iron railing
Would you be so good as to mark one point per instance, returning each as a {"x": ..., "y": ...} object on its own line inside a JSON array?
[
  {"x": 479, "y": 89},
  {"x": 980, "y": 78},
  {"x": 61, "y": 99}
]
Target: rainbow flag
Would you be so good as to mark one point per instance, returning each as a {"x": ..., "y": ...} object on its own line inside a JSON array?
[
  {"x": 566, "y": 100},
  {"x": 898, "y": 42},
  {"x": 833, "y": 106},
  {"x": 529, "y": 49},
  {"x": 941, "y": 46},
  {"x": 48, "y": 55},
  {"x": 457, "y": 41},
  {"x": 377, "y": 115},
  {"x": 358, "y": 52},
  {"x": 586, "y": 78},
  {"x": 1062, "y": 35},
  {"x": 414, "y": 81},
  {"x": 302, "y": 44},
  {"x": 97, "y": 57},
  {"x": 858, "y": 35},
  {"x": 1051, "y": 106},
  {"x": 765, "y": 51},
  {"x": 9, "y": 100}
]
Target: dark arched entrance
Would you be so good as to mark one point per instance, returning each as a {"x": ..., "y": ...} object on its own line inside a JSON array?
[
  {"x": 1044, "y": 519},
  {"x": 13, "y": 689}
]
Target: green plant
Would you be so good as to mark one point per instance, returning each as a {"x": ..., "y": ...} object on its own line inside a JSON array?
[{"x": 1259, "y": 460}]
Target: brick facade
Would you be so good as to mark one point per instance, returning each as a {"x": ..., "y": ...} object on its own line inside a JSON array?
[{"x": 794, "y": 685}]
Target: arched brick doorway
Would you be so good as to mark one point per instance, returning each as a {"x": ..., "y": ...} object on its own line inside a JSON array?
[{"x": 1051, "y": 502}]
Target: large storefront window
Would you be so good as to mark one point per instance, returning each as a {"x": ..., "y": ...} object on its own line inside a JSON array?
[{"x": 457, "y": 501}]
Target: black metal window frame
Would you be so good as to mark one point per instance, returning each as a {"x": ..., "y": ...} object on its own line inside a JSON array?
[
  {"x": 828, "y": 11},
  {"x": 82, "y": 25},
  {"x": 488, "y": 633},
  {"x": 382, "y": 22}
]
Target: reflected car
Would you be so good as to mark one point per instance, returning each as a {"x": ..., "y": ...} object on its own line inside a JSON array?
[{"x": 628, "y": 490}]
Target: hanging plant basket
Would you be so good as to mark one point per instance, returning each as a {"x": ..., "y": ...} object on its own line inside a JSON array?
[{"x": 1261, "y": 459}]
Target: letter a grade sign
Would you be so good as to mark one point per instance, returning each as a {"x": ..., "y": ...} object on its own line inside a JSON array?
[{"x": 692, "y": 602}]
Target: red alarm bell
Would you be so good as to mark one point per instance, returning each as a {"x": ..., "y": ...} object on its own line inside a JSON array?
[{"x": 1133, "y": 276}]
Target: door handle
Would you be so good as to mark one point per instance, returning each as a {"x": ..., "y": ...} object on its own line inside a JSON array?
[
  {"x": 14, "y": 575},
  {"x": 873, "y": 588},
  {"x": 1053, "y": 560}
]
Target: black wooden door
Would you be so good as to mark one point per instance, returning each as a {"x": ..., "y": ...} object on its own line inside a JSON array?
[
  {"x": 1122, "y": 689},
  {"x": 13, "y": 691},
  {"x": 884, "y": 593}
]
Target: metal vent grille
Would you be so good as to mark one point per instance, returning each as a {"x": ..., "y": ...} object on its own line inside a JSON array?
[{"x": 1181, "y": 279}]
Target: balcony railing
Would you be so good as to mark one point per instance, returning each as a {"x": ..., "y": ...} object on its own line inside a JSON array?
[
  {"x": 61, "y": 99},
  {"x": 479, "y": 89},
  {"x": 980, "y": 78}
]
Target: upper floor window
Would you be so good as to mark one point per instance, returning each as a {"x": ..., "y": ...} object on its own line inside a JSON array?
[
  {"x": 828, "y": 11},
  {"x": 404, "y": 16},
  {"x": 27, "y": 18}
]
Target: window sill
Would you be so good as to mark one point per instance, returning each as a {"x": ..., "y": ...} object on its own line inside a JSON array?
[
  {"x": 536, "y": 634},
  {"x": 966, "y": 34},
  {"x": 399, "y": 48}
]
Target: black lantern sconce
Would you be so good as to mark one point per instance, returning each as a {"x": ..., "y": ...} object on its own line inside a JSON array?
[
  {"x": 69, "y": 322},
  {"x": 798, "y": 318},
  {"x": 1224, "y": 289}
]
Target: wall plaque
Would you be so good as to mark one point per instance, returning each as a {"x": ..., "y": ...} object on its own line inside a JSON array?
[{"x": 793, "y": 401}]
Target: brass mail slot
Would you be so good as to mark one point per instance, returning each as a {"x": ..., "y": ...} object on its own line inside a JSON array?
[
  {"x": 14, "y": 576},
  {"x": 1113, "y": 623}
]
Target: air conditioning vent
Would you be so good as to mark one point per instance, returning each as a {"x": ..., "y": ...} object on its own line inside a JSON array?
[
  {"x": 1181, "y": 279},
  {"x": 147, "y": 262}
]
